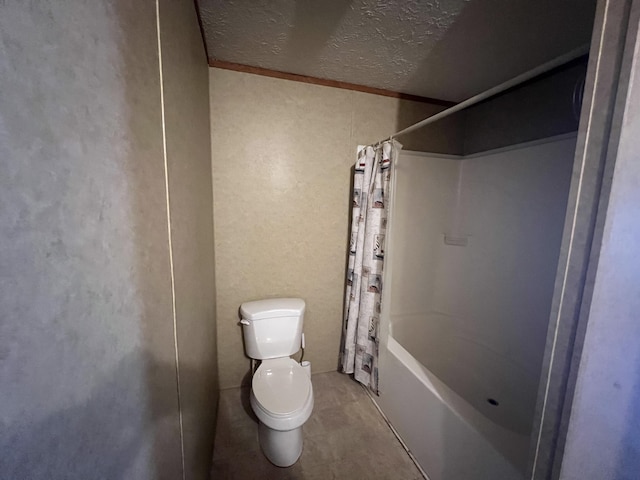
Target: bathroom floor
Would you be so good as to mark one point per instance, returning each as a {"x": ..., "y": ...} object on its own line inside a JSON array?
[{"x": 345, "y": 438}]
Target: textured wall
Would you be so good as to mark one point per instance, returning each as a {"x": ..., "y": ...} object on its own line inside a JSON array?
[
  {"x": 603, "y": 438},
  {"x": 87, "y": 359},
  {"x": 282, "y": 156},
  {"x": 186, "y": 92}
]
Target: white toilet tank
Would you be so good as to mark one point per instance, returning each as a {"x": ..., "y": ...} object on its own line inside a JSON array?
[{"x": 272, "y": 328}]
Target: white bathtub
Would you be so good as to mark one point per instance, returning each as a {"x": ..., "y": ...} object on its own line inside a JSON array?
[
  {"x": 490, "y": 380},
  {"x": 449, "y": 438}
]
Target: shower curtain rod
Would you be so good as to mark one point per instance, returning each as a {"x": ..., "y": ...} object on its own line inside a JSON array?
[{"x": 523, "y": 77}]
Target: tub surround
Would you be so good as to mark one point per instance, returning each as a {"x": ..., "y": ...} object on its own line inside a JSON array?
[
  {"x": 492, "y": 295},
  {"x": 468, "y": 321}
]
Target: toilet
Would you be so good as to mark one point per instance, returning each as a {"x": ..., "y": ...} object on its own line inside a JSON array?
[{"x": 281, "y": 390}]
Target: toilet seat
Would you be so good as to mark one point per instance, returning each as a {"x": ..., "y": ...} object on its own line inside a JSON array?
[{"x": 281, "y": 394}]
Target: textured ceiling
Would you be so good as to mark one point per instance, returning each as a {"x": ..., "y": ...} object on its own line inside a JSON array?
[{"x": 445, "y": 49}]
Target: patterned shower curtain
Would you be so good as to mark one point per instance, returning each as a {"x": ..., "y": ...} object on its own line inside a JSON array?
[{"x": 371, "y": 195}]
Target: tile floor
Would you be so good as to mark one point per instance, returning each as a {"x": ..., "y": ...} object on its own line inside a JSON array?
[{"x": 345, "y": 438}]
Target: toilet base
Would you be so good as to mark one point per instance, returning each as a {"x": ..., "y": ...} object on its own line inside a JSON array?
[{"x": 282, "y": 448}]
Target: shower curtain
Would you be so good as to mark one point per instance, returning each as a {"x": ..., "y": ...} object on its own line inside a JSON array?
[{"x": 371, "y": 195}]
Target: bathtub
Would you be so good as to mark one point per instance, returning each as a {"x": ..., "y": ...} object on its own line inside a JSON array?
[
  {"x": 449, "y": 437},
  {"x": 491, "y": 381}
]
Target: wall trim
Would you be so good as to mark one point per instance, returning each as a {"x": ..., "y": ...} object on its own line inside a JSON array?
[
  {"x": 529, "y": 143},
  {"x": 515, "y": 146},
  {"x": 238, "y": 67},
  {"x": 444, "y": 156},
  {"x": 170, "y": 239}
]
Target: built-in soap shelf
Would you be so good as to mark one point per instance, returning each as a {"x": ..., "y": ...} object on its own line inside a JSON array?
[{"x": 456, "y": 240}]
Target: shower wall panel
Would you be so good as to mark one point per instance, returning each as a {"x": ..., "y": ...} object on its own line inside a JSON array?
[
  {"x": 473, "y": 275},
  {"x": 426, "y": 190}
]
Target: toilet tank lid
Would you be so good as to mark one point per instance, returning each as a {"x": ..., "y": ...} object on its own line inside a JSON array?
[{"x": 272, "y": 308}]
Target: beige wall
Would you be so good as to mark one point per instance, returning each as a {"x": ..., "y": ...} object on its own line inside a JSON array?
[
  {"x": 190, "y": 198},
  {"x": 87, "y": 356},
  {"x": 282, "y": 155}
]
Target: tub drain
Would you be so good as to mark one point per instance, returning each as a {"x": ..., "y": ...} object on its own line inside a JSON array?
[{"x": 493, "y": 402}]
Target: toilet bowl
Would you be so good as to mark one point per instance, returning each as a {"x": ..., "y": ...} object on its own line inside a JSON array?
[
  {"x": 281, "y": 390},
  {"x": 282, "y": 399}
]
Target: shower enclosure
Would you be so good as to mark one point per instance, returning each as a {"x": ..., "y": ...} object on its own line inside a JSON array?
[{"x": 472, "y": 255}]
